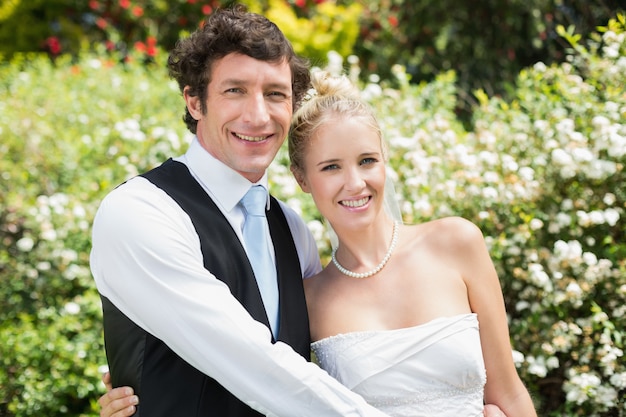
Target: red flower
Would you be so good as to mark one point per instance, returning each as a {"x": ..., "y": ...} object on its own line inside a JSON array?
[
  {"x": 140, "y": 46},
  {"x": 94, "y": 4},
  {"x": 393, "y": 21},
  {"x": 206, "y": 9},
  {"x": 53, "y": 45},
  {"x": 137, "y": 11},
  {"x": 124, "y": 4},
  {"x": 152, "y": 49},
  {"x": 101, "y": 23},
  {"x": 110, "y": 45},
  {"x": 300, "y": 3}
]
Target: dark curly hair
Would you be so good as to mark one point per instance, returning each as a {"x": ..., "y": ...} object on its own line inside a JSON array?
[{"x": 226, "y": 31}]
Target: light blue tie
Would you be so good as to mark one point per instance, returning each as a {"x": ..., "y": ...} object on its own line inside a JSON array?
[{"x": 255, "y": 236}]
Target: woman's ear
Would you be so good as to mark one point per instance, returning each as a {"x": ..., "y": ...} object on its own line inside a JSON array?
[
  {"x": 299, "y": 176},
  {"x": 193, "y": 103}
]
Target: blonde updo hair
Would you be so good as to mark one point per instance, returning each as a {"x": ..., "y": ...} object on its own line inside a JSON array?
[{"x": 330, "y": 98}]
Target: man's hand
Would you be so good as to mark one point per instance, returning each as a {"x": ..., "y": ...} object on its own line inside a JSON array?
[{"x": 118, "y": 402}]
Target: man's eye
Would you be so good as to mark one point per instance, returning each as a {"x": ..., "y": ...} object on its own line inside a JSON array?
[{"x": 277, "y": 95}]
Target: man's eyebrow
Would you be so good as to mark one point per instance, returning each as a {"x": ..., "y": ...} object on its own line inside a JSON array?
[{"x": 240, "y": 82}]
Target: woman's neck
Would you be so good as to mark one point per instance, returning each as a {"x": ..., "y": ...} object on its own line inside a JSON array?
[{"x": 361, "y": 249}]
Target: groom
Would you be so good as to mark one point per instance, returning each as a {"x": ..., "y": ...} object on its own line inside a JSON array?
[{"x": 185, "y": 323}]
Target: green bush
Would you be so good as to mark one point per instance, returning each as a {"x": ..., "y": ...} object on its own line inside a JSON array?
[
  {"x": 149, "y": 26},
  {"x": 70, "y": 133},
  {"x": 542, "y": 174}
]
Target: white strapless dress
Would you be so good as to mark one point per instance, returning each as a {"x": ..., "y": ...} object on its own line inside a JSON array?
[{"x": 433, "y": 370}]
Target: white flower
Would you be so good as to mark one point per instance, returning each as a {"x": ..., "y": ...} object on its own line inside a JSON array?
[
  {"x": 527, "y": 173},
  {"x": 559, "y": 156},
  {"x": 538, "y": 276},
  {"x": 580, "y": 387},
  {"x": 72, "y": 308},
  {"x": 574, "y": 290},
  {"x": 25, "y": 244},
  {"x": 518, "y": 358},
  {"x": 491, "y": 176},
  {"x": 596, "y": 217},
  {"x": 490, "y": 193},
  {"x": 552, "y": 362},
  {"x": 611, "y": 216},
  {"x": 537, "y": 366},
  {"x": 571, "y": 250},
  {"x": 44, "y": 266},
  {"x": 536, "y": 224},
  {"x": 581, "y": 155},
  {"x": 618, "y": 380},
  {"x": 600, "y": 122},
  {"x": 49, "y": 234},
  {"x": 563, "y": 219},
  {"x": 609, "y": 199},
  {"x": 590, "y": 258}
]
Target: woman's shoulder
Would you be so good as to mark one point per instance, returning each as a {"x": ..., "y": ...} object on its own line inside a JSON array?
[
  {"x": 448, "y": 235},
  {"x": 452, "y": 225}
]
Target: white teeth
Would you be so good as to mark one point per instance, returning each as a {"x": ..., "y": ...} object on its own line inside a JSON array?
[
  {"x": 251, "y": 138},
  {"x": 355, "y": 203}
]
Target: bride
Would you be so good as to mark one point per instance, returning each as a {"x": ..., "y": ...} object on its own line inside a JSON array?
[{"x": 411, "y": 317}]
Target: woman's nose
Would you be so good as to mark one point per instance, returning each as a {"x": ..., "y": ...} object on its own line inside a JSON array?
[{"x": 354, "y": 181}]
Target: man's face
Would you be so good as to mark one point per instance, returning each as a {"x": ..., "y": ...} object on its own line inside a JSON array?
[{"x": 249, "y": 107}]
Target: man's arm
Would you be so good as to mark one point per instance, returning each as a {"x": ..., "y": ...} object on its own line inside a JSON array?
[{"x": 146, "y": 260}]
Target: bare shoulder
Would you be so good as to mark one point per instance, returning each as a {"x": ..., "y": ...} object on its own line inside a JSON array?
[{"x": 453, "y": 232}]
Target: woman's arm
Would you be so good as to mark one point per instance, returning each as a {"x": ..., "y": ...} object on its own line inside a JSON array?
[{"x": 504, "y": 387}]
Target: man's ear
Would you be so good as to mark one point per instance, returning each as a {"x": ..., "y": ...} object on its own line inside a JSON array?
[
  {"x": 193, "y": 104},
  {"x": 297, "y": 174}
]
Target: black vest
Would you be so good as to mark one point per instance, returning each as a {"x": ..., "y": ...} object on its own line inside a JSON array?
[{"x": 167, "y": 385}]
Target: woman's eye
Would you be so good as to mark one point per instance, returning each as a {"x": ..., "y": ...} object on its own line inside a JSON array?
[
  {"x": 366, "y": 161},
  {"x": 330, "y": 167}
]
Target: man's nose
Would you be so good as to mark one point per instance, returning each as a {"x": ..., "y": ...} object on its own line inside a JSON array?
[{"x": 256, "y": 110}]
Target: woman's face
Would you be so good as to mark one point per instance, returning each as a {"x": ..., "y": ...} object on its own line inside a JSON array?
[{"x": 344, "y": 171}]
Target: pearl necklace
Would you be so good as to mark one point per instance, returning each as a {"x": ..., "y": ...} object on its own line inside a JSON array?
[{"x": 381, "y": 265}]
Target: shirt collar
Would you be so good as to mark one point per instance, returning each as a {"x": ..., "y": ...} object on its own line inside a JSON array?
[{"x": 227, "y": 186}]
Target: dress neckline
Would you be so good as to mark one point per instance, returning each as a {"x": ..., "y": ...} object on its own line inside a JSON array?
[{"x": 427, "y": 323}]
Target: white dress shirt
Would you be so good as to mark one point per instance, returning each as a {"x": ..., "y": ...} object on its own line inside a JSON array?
[{"x": 146, "y": 259}]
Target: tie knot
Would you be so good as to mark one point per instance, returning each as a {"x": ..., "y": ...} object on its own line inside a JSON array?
[{"x": 255, "y": 200}]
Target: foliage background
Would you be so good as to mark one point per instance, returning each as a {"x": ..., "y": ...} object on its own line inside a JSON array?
[
  {"x": 540, "y": 169},
  {"x": 486, "y": 43}
]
